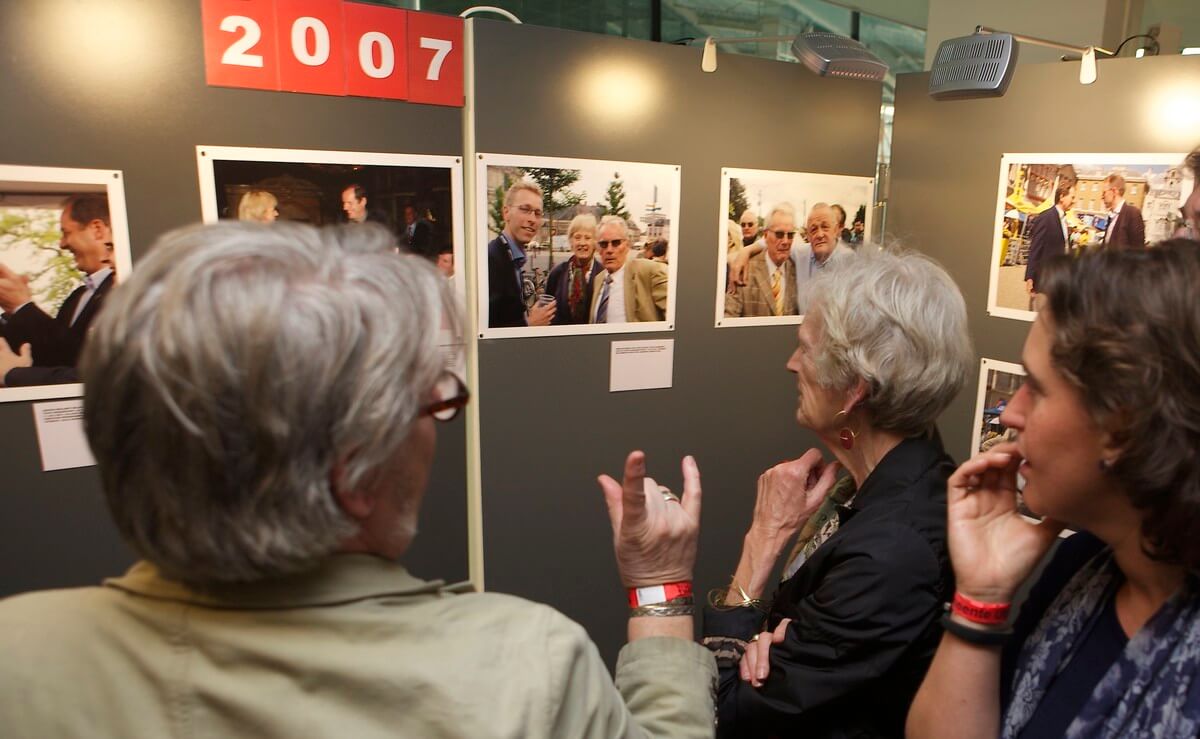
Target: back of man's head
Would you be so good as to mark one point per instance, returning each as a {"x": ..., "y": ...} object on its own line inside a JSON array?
[{"x": 241, "y": 369}]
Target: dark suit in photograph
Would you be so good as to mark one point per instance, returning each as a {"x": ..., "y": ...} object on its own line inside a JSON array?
[
  {"x": 1046, "y": 240},
  {"x": 417, "y": 237},
  {"x": 506, "y": 300},
  {"x": 1128, "y": 231},
  {"x": 558, "y": 284},
  {"x": 56, "y": 342},
  {"x": 756, "y": 298}
]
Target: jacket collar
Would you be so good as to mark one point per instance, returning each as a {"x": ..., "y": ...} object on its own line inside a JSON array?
[
  {"x": 907, "y": 462},
  {"x": 339, "y": 579}
]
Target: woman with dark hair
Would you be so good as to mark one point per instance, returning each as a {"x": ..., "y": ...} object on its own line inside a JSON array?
[{"x": 1107, "y": 642}]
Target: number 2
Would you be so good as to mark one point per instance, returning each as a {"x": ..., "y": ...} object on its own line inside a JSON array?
[
  {"x": 442, "y": 49},
  {"x": 236, "y": 54}
]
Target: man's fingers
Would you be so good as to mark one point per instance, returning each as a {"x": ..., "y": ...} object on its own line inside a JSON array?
[
  {"x": 633, "y": 498},
  {"x": 691, "y": 487},
  {"x": 612, "y": 500}
]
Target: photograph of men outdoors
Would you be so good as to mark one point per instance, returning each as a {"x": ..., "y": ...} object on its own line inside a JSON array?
[
  {"x": 576, "y": 246},
  {"x": 61, "y": 252},
  {"x": 414, "y": 197},
  {"x": 778, "y": 230},
  {"x": 1052, "y": 204}
]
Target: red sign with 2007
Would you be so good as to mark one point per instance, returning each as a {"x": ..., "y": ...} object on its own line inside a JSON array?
[{"x": 332, "y": 47}]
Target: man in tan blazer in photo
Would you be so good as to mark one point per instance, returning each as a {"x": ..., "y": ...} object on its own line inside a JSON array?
[
  {"x": 770, "y": 288},
  {"x": 628, "y": 289}
]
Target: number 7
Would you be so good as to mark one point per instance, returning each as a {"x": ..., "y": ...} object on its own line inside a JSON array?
[{"x": 442, "y": 49}]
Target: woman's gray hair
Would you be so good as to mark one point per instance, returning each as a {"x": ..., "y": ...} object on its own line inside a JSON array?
[
  {"x": 242, "y": 371},
  {"x": 898, "y": 322}
]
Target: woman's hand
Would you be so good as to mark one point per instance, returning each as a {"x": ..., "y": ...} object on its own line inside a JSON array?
[
  {"x": 992, "y": 546},
  {"x": 654, "y": 534},
  {"x": 789, "y": 493},
  {"x": 756, "y": 660}
]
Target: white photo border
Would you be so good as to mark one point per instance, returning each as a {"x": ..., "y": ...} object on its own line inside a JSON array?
[
  {"x": 672, "y": 174},
  {"x": 210, "y": 210},
  {"x": 987, "y": 365},
  {"x": 728, "y": 173},
  {"x": 113, "y": 183},
  {"x": 1006, "y": 161}
]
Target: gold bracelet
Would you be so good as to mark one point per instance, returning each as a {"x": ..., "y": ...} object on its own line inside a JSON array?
[{"x": 717, "y": 597}]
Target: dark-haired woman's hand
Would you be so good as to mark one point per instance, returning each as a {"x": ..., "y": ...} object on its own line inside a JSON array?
[{"x": 992, "y": 546}]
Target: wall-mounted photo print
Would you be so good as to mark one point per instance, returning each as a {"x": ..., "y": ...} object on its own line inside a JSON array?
[
  {"x": 64, "y": 244},
  {"x": 776, "y": 232},
  {"x": 575, "y": 246},
  {"x": 1050, "y": 204},
  {"x": 416, "y": 197}
]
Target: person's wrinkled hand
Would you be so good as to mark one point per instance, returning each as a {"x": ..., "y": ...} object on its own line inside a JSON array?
[
  {"x": 790, "y": 492},
  {"x": 654, "y": 537},
  {"x": 755, "y": 664},
  {"x": 9, "y": 360},
  {"x": 14, "y": 290},
  {"x": 737, "y": 271},
  {"x": 542, "y": 314},
  {"x": 993, "y": 548}
]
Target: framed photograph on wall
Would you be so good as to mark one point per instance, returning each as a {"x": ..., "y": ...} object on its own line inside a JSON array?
[
  {"x": 560, "y": 237},
  {"x": 794, "y": 223},
  {"x": 417, "y": 197},
  {"x": 1049, "y": 204},
  {"x": 64, "y": 243},
  {"x": 998, "y": 382}
]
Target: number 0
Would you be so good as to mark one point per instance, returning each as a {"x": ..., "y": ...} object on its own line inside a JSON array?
[
  {"x": 320, "y": 32},
  {"x": 442, "y": 48},
  {"x": 236, "y": 54},
  {"x": 387, "y": 55}
]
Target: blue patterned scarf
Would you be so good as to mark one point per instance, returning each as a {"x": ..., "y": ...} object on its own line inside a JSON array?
[{"x": 1153, "y": 688}]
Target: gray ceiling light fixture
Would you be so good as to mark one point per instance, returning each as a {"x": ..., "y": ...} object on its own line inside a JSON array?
[
  {"x": 982, "y": 64},
  {"x": 825, "y": 54}
]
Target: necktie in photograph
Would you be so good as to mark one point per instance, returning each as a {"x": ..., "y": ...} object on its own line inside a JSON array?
[
  {"x": 602, "y": 306},
  {"x": 777, "y": 292}
]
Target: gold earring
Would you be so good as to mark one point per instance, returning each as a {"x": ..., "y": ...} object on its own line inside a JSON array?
[{"x": 846, "y": 435}]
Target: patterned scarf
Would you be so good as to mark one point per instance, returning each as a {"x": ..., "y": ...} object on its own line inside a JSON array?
[
  {"x": 1152, "y": 690},
  {"x": 578, "y": 277}
]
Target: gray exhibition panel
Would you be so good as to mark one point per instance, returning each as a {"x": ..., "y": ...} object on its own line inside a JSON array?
[
  {"x": 121, "y": 86},
  {"x": 946, "y": 165},
  {"x": 548, "y": 423}
]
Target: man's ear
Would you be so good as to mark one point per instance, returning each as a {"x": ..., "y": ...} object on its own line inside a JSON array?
[
  {"x": 100, "y": 231},
  {"x": 357, "y": 503}
]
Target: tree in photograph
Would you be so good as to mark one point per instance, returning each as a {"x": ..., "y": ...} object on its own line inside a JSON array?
[
  {"x": 614, "y": 198},
  {"x": 30, "y": 237},
  {"x": 496, "y": 206},
  {"x": 737, "y": 199},
  {"x": 556, "y": 196}
]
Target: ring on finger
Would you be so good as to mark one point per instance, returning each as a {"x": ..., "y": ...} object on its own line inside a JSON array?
[
  {"x": 755, "y": 637},
  {"x": 667, "y": 494}
]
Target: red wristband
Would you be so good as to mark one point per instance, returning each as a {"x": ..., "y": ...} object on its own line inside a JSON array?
[
  {"x": 979, "y": 612},
  {"x": 654, "y": 594}
]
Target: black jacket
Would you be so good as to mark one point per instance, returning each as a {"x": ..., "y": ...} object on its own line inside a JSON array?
[
  {"x": 56, "y": 342},
  {"x": 864, "y": 609}
]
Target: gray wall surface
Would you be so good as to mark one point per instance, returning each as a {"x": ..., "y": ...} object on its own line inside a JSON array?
[
  {"x": 120, "y": 85},
  {"x": 946, "y": 163},
  {"x": 548, "y": 423}
]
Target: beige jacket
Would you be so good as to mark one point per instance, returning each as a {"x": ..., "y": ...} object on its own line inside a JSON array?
[
  {"x": 645, "y": 290},
  {"x": 358, "y": 648},
  {"x": 754, "y": 298}
]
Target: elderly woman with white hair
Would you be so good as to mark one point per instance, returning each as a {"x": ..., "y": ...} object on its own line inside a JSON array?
[
  {"x": 840, "y": 648},
  {"x": 262, "y": 404}
]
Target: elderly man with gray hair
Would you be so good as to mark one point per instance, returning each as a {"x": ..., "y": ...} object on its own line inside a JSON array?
[
  {"x": 262, "y": 404},
  {"x": 839, "y": 650},
  {"x": 628, "y": 289}
]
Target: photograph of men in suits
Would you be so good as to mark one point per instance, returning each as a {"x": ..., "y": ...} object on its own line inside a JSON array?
[
  {"x": 627, "y": 290},
  {"x": 1126, "y": 229},
  {"x": 38, "y": 349},
  {"x": 417, "y": 234},
  {"x": 823, "y": 248},
  {"x": 1049, "y": 234},
  {"x": 770, "y": 288},
  {"x": 522, "y": 214}
]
